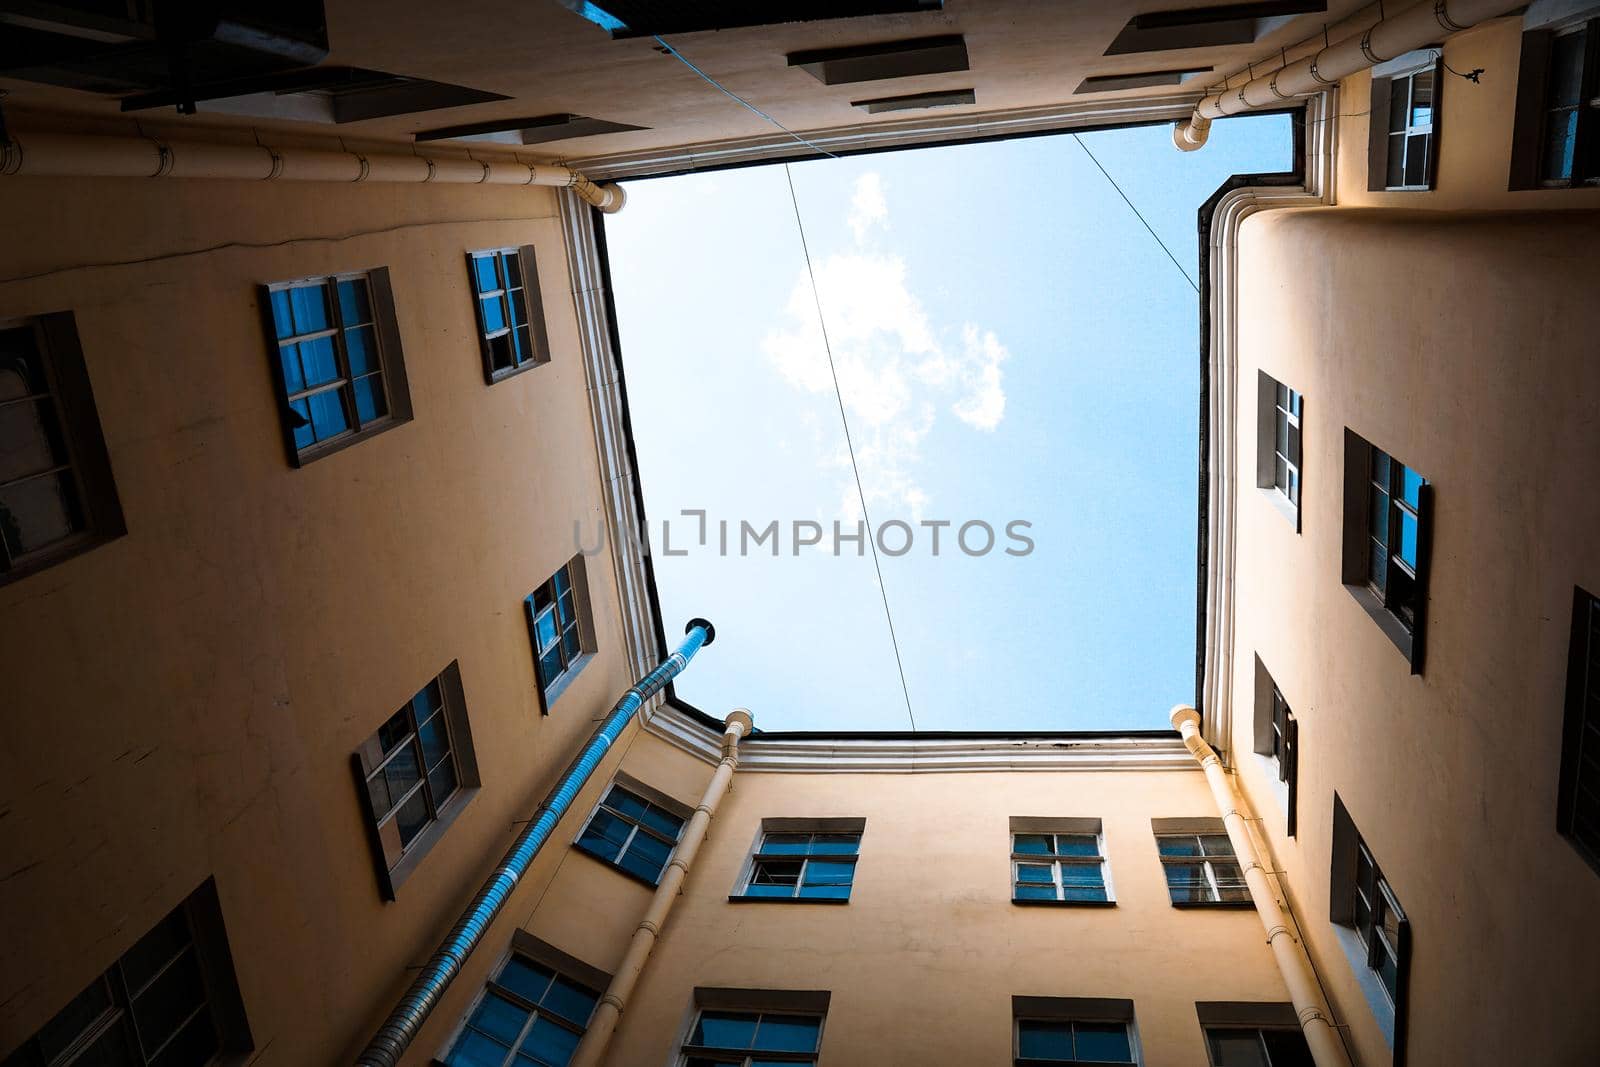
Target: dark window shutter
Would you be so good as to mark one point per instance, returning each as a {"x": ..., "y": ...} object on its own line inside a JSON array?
[
  {"x": 1424, "y": 567},
  {"x": 477, "y": 316},
  {"x": 535, "y": 301},
  {"x": 1378, "y": 135},
  {"x": 1293, "y": 743},
  {"x": 1527, "y": 127}
]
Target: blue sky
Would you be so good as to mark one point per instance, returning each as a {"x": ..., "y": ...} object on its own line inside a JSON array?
[{"x": 1011, "y": 346}]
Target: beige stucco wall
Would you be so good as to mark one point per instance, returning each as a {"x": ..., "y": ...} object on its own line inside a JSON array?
[
  {"x": 923, "y": 961},
  {"x": 1464, "y": 345},
  {"x": 1472, "y": 133},
  {"x": 183, "y": 702}
]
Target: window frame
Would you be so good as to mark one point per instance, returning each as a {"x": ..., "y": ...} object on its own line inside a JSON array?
[
  {"x": 550, "y": 689},
  {"x": 1271, "y": 395},
  {"x": 1580, "y": 742},
  {"x": 1399, "y": 74},
  {"x": 1362, "y": 939},
  {"x": 1360, "y": 481},
  {"x": 832, "y": 827},
  {"x": 1199, "y": 829},
  {"x": 390, "y": 359},
  {"x": 1531, "y": 127},
  {"x": 547, "y": 957},
  {"x": 443, "y": 813},
  {"x": 744, "y": 1057},
  {"x": 1100, "y": 1011},
  {"x": 531, "y": 302},
  {"x": 646, "y": 796},
  {"x": 1056, "y": 860},
  {"x": 201, "y": 914},
  {"x": 99, "y": 516},
  {"x": 1211, "y": 1032}
]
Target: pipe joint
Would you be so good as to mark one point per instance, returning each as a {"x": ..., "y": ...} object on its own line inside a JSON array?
[
  {"x": 615, "y": 1002},
  {"x": 649, "y": 927}
]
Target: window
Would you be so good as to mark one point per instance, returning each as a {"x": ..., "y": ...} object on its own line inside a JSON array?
[
  {"x": 1081, "y": 1030},
  {"x": 532, "y": 1012},
  {"x": 171, "y": 1000},
  {"x": 510, "y": 311},
  {"x": 1199, "y": 863},
  {"x": 1058, "y": 861},
  {"x": 646, "y": 18},
  {"x": 338, "y": 366},
  {"x": 1279, "y": 412},
  {"x": 56, "y": 494},
  {"x": 1557, "y": 131},
  {"x": 632, "y": 834},
  {"x": 1377, "y": 937},
  {"x": 1387, "y": 513},
  {"x": 559, "y": 626},
  {"x": 752, "y": 1039},
  {"x": 1257, "y": 1047},
  {"x": 1277, "y": 737},
  {"x": 1207, "y": 27},
  {"x": 1404, "y": 108},
  {"x": 803, "y": 861},
  {"x": 1578, "y": 814},
  {"x": 885, "y": 59},
  {"x": 415, "y": 774}
]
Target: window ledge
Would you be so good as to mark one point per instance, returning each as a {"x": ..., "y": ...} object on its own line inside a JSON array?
[
  {"x": 496, "y": 377},
  {"x": 391, "y": 880},
  {"x": 740, "y": 898},
  {"x": 1220, "y": 905},
  {"x": 1063, "y": 903},
  {"x": 1402, "y": 638},
  {"x": 581, "y": 848},
  {"x": 559, "y": 686},
  {"x": 304, "y": 457},
  {"x": 1371, "y": 988},
  {"x": 1282, "y": 504}
]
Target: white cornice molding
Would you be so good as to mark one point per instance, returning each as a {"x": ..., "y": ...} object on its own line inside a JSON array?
[
  {"x": 919, "y": 131},
  {"x": 1321, "y": 143}
]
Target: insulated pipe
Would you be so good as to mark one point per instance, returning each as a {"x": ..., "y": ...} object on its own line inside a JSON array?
[
  {"x": 603, "y": 1023},
  {"x": 403, "y": 1023},
  {"x": 69, "y": 156},
  {"x": 1415, "y": 27},
  {"x": 1316, "y": 1022}
]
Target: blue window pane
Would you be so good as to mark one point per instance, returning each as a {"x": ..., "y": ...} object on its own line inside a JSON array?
[
  {"x": 494, "y": 317},
  {"x": 1178, "y": 846},
  {"x": 561, "y": 580},
  {"x": 544, "y": 628},
  {"x": 1034, "y": 892},
  {"x": 310, "y": 306},
  {"x": 1378, "y": 513},
  {"x": 282, "y": 316},
  {"x": 825, "y": 892},
  {"x": 564, "y": 606},
  {"x": 1077, "y": 845},
  {"x": 1106, "y": 1042},
  {"x": 499, "y": 1018},
  {"x": 525, "y": 978},
  {"x": 318, "y": 361},
  {"x": 519, "y": 316},
  {"x": 1378, "y": 567},
  {"x": 620, "y": 800},
  {"x": 1411, "y": 483},
  {"x": 551, "y": 666},
  {"x": 573, "y": 1003},
  {"x": 570, "y": 644},
  {"x": 428, "y": 700},
  {"x": 638, "y": 863},
  {"x": 396, "y": 730},
  {"x": 371, "y": 404},
  {"x": 825, "y": 872},
  {"x": 1380, "y": 467},
  {"x": 755, "y": 889},
  {"x": 605, "y": 833},
  {"x": 354, "y": 307},
  {"x": 1080, "y": 874},
  {"x": 1216, "y": 845},
  {"x": 483, "y": 273},
  {"x": 435, "y": 740},
  {"x": 550, "y": 1043},
  {"x": 442, "y": 780},
  {"x": 663, "y": 822},
  {"x": 651, "y": 849},
  {"x": 293, "y": 380},
  {"x": 1032, "y": 844},
  {"x": 1094, "y": 892},
  {"x": 1035, "y": 873},
  {"x": 787, "y": 844},
  {"x": 1044, "y": 1040},
  {"x": 476, "y": 1050},
  {"x": 724, "y": 1029},
  {"x": 835, "y": 844},
  {"x": 1408, "y": 538},
  {"x": 412, "y": 817},
  {"x": 519, "y": 338},
  {"x": 1561, "y": 140},
  {"x": 361, "y": 345},
  {"x": 511, "y": 263},
  {"x": 402, "y": 772},
  {"x": 327, "y": 414},
  {"x": 788, "y": 1033}
]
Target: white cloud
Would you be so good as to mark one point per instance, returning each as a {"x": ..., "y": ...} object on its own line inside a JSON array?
[
  {"x": 896, "y": 369},
  {"x": 868, "y": 206}
]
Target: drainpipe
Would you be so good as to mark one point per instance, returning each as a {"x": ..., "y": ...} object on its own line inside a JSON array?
[
  {"x": 70, "y": 156},
  {"x": 403, "y": 1023},
  {"x": 1416, "y": 27},
  {"x": 603, "y": 1023},
  {"x": 1316, "y": 1021}
]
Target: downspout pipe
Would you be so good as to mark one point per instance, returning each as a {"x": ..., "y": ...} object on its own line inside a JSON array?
[
  {"x": 72, "y": 156},
  {"x": 1316, "y": 1021},
  {"x": 404, "y": 1022},
  {"x": 1415, "y": 27},
  {"x": 592, "y": 1049}
]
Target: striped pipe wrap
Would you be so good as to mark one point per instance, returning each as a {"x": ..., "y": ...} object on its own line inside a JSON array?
[{"x": 405, "y": 1021}]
